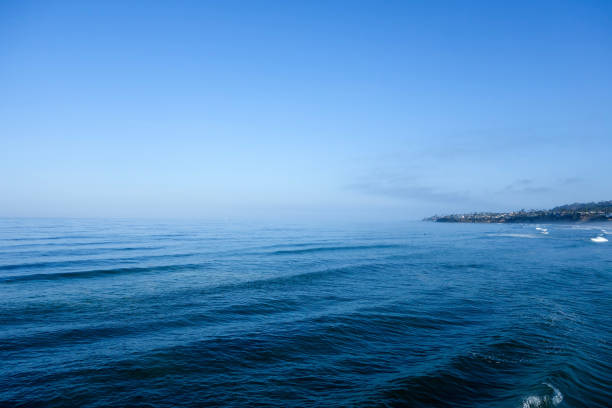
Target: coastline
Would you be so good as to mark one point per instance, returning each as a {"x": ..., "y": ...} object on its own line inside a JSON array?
[{"x": 571, "y": 213}]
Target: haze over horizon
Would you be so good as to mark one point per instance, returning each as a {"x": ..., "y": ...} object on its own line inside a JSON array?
[{"x": 302, "y": 110}]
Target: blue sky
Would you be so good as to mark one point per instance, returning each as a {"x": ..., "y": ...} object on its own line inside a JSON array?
[{"x": 324, "y": 110}]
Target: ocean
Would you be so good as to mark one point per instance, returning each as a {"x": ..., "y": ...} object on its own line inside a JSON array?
[{"x": 143, "y": 313}]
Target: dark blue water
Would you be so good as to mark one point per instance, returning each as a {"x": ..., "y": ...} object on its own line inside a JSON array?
[{"x": 169, "y": 314}]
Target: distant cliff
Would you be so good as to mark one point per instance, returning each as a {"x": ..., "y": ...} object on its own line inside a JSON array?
[{"x": 577, "y": 212}]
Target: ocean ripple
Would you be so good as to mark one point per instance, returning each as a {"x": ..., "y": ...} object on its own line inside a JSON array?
[{"x": 144, "y": 314}]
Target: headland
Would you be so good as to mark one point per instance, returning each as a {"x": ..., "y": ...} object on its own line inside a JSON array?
[{"x": 577, "y": 212}]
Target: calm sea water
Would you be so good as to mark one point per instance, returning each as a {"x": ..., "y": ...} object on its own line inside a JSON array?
[{"x": 167, "y": 314}]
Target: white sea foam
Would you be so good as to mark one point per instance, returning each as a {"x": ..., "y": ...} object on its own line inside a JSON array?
[
  {"x": 557, "y": 396},
  {"x": 535, "y": 401}
]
